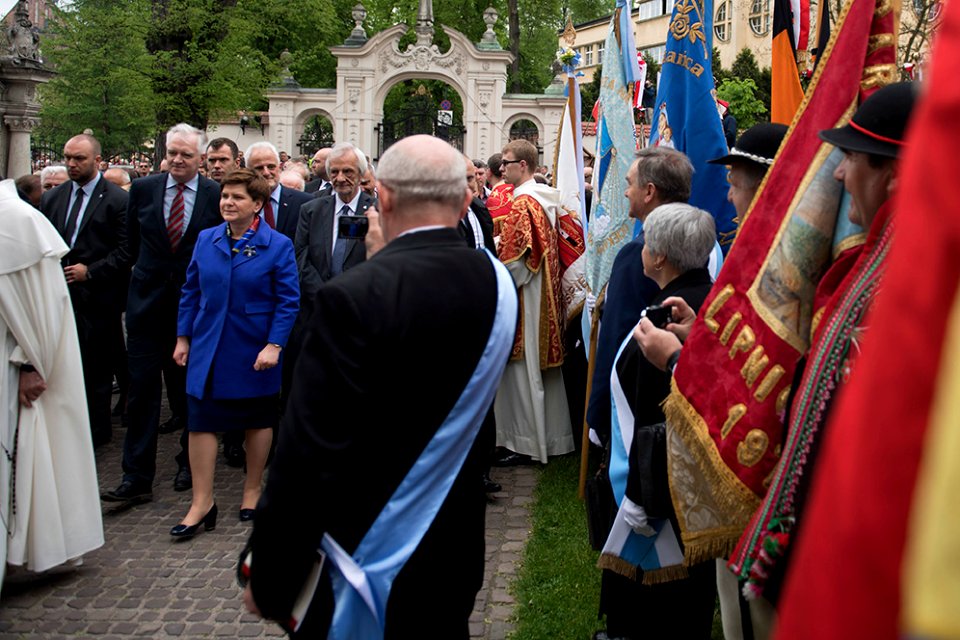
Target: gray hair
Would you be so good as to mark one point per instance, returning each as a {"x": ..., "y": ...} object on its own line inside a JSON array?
[
  {"x": 262, "y": 145},
  {"x": 682, "y": 234},
  {"x": 46, "y": 172},
  {"x": 440, "y": 178},
  {"x": 184, "y": 129},
  {"x": 343, "y": 148},
  {"x": 668, "y": 170}
]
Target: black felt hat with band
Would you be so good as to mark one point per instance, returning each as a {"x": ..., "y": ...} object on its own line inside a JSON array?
[
  {"x": 757, "y": 144},
  {"x": 878, "y": 125}
]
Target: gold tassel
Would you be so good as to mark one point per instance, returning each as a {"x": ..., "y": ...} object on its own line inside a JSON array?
[
  {"x": 617, "y": 565},
  {"x": 665, "y": 574}
]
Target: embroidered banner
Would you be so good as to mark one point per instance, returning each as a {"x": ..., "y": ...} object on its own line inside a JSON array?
[{"x": 731, "y": 385}]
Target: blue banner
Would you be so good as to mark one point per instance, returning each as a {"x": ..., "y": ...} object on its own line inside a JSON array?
[
  {"x": 610, "y": 224},
  {"x": 686, "y": 116}
]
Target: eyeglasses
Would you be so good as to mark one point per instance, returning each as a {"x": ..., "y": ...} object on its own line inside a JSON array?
[{"x": 504, "y": 162}]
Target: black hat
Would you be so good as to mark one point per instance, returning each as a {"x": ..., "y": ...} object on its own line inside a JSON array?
[
  {"x": 757, "y": 144},
  {"x": 878, "y": 125}
]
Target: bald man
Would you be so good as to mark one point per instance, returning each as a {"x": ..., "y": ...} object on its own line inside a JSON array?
[{"x": 398, "y": 425}]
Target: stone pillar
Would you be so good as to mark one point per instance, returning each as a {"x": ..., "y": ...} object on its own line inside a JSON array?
[{"x": 18, "y": 153}]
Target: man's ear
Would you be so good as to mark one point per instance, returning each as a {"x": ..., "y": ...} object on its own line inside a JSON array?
[
  {"x": 384, "y": 200},
  {"x": 649, "y": 192},
  {"x": 894, "y": 177}
]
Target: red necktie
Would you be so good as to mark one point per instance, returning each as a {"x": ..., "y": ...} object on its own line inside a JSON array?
[
  {"x": 268, "y": 214},
  {"x": 175, "y": 221}
]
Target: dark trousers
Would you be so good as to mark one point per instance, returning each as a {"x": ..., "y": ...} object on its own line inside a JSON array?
[
  {"x": 148, "y": 353},
  {"x": 95, "y": 333}
]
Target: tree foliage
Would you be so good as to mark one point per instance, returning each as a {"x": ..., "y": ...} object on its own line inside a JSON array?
[{"x": 744, "y": 105}]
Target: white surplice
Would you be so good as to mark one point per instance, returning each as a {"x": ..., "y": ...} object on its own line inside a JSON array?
[
  {"x": 49, "y": 495},
  {"x": 531, "y": 404}
]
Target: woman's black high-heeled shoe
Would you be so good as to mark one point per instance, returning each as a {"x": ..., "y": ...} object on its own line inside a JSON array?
[
  {"x": 209, "y": 522},
  {"x": 246, "y": 515}
]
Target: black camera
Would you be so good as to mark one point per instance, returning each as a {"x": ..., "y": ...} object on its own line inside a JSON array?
[
  {"x": 353, "y": 227},
  {"x": 659, "y": 315}
]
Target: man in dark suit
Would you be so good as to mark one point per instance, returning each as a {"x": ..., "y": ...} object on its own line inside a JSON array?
[
  {"x": 90, "y": 214},
  {"x": 282, "y": 210},
  {"x": 373, "y": 390},
  {"x": 223, "y": 156},
  {"x": 165, "y": 214},
  {"x": 320, "y": 186},
  {"x": 321, "y": 253}
]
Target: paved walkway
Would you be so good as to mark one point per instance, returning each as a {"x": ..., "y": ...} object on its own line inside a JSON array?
[{"x": 141, "y": 583}]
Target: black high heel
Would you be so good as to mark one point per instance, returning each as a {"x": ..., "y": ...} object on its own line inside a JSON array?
[{"x": 209, "y": 522}]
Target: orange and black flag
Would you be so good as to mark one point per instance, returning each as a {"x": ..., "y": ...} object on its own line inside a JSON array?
[{"x": 786, "y": 92}]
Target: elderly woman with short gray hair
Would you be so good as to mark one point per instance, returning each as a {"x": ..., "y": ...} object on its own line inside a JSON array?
[{"x": 638, "y": 601}]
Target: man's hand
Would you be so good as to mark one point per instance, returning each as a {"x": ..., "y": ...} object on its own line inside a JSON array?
[
  {"x": 268, "y": 358},
  {"x": 76, "y": 273},
  {"x": 374, "y": 238},
  {"x": 683, "y": 317},
  {"x": 181, "y": 351},
  {"x": 31, "y": 386},
  {"x": 657, "y": 345}
]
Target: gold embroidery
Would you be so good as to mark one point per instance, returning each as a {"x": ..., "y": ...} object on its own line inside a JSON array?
[
  {"x": 769, "y": 382},
  {"x": 883, "y": 8},
  {"x": 817, "y": 317},
  {"x": 754, "y": 366},
  {"x": 879, "y": 41},
  {"x": 736, "y": 412},
  {"x": 725, "y": 294},
  {"x": 688, "y": 23},
  {"x": 730, "y": 327},
  {"x": 849, "y": 242},
  {"x": 782, "y": 400},
  {"x": 743, "y": 342},
  {"x": 879, "y": 75},
  {"x": 751, "y": 450}
]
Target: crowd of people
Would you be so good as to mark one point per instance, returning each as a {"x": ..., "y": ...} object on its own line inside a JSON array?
[{"x": 307, "y": 310}]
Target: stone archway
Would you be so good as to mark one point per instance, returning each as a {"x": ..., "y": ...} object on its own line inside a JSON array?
[{"x": 368, "y": 68}]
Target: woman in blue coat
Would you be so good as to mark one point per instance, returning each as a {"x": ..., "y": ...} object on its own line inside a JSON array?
[{"x": 236, "y": 310}]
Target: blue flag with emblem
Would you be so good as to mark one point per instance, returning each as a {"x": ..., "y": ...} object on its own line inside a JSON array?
[
  {"x": 610, "y": 224},
  {"x": 686, "y": 116}
]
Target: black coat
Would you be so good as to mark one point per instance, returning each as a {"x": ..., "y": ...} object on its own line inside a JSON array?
[
  {"x": 313, "y": 244},
  {"x": 101, "y": 245},
  {"x": 375, "y": 379},
  {"x": 289, "y": 214},
  {"x": 486, "y": 226},
  {"x": 158, "y": 271}
]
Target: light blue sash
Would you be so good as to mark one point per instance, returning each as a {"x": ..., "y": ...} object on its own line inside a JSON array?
[{"x": 361, "y": 584}]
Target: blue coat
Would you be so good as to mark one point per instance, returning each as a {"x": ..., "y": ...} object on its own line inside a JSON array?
[{"x": 232, "y": 307}]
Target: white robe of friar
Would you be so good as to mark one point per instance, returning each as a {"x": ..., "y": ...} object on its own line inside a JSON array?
[
  {"x": 531, "y": 405},
  {"x": 49, "y": 495}
]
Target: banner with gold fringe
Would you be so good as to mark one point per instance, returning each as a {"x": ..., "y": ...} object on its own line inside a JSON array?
[{"x": 731, "y": 385}]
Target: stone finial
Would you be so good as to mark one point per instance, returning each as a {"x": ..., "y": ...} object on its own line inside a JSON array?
[
  {"x": 489, "y": 39},
  {"x": 358, "y": 36},
  {"x": 424, "y": 28},
  {"x": 286, "y": 78}
]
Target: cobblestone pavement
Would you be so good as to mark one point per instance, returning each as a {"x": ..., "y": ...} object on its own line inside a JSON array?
[{"x": 141, "y": 583}]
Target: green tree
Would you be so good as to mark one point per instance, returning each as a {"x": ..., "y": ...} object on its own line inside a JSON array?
[
  {"x": 744, "y": 105},
  {"x": 102, "y": 82},
  {"x": 745, "y": 67}
]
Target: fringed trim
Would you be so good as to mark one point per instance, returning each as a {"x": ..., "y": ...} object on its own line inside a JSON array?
[
  {"x": 617, "y": 565},
  {"x": 665, "y": 574},
  {"x": 734, "y": 498}
]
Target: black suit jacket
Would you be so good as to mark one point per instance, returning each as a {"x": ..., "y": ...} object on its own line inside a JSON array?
[
  {"x": 374, "y": 381},
  {"x": 314, "y": 243},
  {"x": 289, "y": 215},
  {"x": 101, "y": 245},
  {"x": 158, "y": 271},
  {"x": 486, "y": 225}
]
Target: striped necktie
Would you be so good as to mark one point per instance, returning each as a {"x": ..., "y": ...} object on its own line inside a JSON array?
[{"x": 175, "y": 220}]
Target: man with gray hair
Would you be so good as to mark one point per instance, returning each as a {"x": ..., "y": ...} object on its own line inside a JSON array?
[
  {"x": 391, "y": 471},
  {"x": 53, "y": 176},
  {"x": 282, "y": 209},
  {"x": 165, "y": 214}
]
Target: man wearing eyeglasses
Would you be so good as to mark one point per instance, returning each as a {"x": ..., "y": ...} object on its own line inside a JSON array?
[{"x": 533, "y": 421}]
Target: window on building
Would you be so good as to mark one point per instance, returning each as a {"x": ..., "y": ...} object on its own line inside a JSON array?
[
  {"x": 656, "y": 53},
  {"x": 760, "y": 17},
  {"x": 650, "y": 9},
  {"x": 600, "y": 53},
  {"x": 721, "y": 21},
  {"x": 588, "y": 55}
]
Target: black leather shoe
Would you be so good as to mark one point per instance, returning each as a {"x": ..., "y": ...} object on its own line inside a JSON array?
[
  {"x": 512, "y": 459},
  {"x": 246, "y": 515},
  {"x": 235, "y": 455},
  {"x": 184, "y": 480},
  {"x": 128, "y": 492},
  {"x": 173, "y": 425},
  {"x": 209, "y": 522},
  {"x": 490, "y": 486}
]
